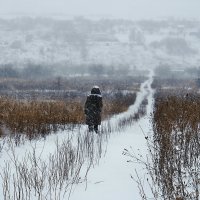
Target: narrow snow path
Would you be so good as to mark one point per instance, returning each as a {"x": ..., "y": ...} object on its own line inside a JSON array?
[{"x": 111, "y": 179}]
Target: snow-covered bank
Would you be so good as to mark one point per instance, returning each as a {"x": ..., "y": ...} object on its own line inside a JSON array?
[{"x": 111, "y": 178}]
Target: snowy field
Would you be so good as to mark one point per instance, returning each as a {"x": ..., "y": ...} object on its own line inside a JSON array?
[
  {"x": 45, "y": 41},
  {"x": 107, "y": 178}
]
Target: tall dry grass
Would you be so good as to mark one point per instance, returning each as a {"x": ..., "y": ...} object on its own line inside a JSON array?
[
  {"x": 38, "y": 118},
  {"x": 176, "y": 146},
  {"x": 35, "y": 117}
]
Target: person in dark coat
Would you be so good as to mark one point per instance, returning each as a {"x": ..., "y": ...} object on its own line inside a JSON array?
[{"x": 93, "y": 108}]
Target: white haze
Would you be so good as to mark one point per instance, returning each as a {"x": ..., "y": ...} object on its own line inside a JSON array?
[{"x": 132, "y": 9}]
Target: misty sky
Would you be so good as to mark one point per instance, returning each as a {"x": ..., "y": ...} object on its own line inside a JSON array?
[{"x": 133, "y": 9}]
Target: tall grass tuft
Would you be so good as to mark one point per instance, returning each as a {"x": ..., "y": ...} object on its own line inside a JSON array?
[{"x": 176, "y": 140}]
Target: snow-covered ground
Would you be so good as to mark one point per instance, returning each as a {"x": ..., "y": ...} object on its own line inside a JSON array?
[{"x": 111, "y": 177}]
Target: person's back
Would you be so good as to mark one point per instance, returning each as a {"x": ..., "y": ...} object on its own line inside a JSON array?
[{"x": 93, "y": 107}]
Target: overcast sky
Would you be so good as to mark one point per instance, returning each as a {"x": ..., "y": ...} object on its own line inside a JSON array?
[{"x": 133, "y": 9}]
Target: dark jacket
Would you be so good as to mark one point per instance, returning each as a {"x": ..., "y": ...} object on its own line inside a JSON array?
[{"x": 93, "y": 107}]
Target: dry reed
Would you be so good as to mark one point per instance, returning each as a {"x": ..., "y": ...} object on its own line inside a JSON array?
[
  {"x": 38, "y": 118},
  {"x": 176, "y": 139}
]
